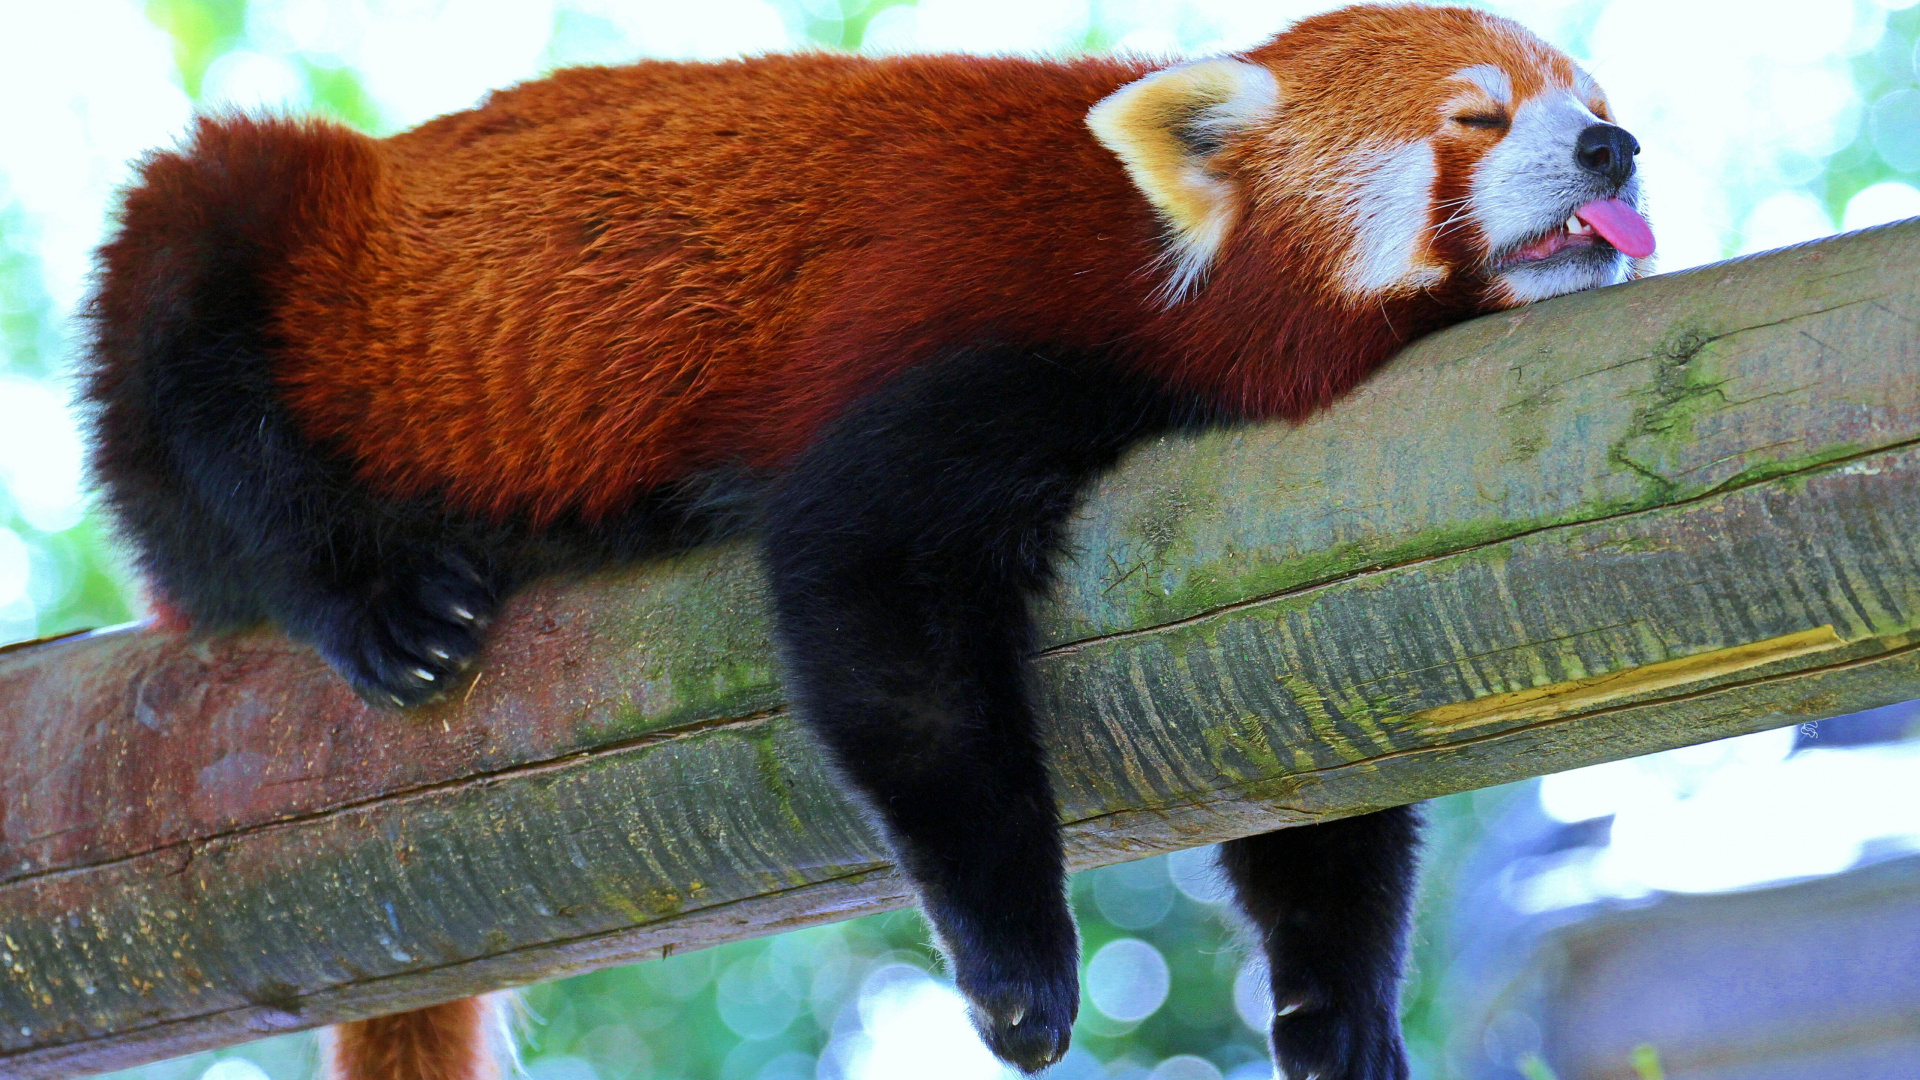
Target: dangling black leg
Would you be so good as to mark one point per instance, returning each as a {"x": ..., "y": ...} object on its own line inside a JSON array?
[
  {"x": 903, "y": 549},
  {"x": 1332, "y": 904}
]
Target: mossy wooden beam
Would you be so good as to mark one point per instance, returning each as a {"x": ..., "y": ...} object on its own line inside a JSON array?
[{"x": 1606, "y": 525}]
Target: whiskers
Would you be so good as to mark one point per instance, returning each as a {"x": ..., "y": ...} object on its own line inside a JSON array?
[{"x": 1461, "y": 207}]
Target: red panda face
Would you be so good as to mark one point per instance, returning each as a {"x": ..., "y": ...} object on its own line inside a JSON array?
[
  {"x": 1390, "y": 151},
  {"x": 1554, "y": 199}
]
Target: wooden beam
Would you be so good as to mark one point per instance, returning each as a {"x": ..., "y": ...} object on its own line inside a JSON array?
[{"x": 1607, "y": 525}]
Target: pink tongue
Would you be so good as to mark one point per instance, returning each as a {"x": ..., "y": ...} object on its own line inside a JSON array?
[{"x": 1620, "y": 225}]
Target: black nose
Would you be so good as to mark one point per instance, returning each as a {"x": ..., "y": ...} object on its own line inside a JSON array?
[{"x": 1606, "y": 150}]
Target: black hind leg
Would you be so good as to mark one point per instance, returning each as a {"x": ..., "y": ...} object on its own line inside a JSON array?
[
  {"x": 918, "y": 692},
  {"x": 400, "y": 633},
  {"x": 1332, "y": 905},
  {"x": 394, "y": 596},
  {"x": 397, "y": 603},
  {"x": 236, "y": 515},
  {"x": 902, "y": 551}
]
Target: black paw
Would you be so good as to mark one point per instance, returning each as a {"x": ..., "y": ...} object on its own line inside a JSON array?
[
  {"x": 1316, "y": 1037},
  {"x": 1026, "y": 1021},
  {"x": 409, "y": 639}
]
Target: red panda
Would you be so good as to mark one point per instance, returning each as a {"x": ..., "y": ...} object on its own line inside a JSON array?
[{"x": 890, "y": 316}]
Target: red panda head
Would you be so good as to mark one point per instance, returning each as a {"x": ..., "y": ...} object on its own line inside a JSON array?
[{"x": 1391, "y": 151}]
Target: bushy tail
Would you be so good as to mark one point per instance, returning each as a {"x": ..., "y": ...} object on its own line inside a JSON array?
[
  {"x": 195, "y": 453},
  {"x": 461, "y": 1040},
  {"x": 188, "y": 426}
]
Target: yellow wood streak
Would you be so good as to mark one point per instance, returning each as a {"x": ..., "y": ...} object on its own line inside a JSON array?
[{"x": 1581, "y": 695}]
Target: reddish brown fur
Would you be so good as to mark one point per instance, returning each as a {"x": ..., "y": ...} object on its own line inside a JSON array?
[
  {"x": 441, "y": 1042},
  {"x": 616, "y": 277},
  {"x": 1394, "y": 98}
]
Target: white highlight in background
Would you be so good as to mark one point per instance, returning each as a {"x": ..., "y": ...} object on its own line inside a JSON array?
[
  {"x": 1196, "y": 873},
  {"x": 1751, "y": 115},
  {"x": 15, "y": 567},
  {"x": 1887, "y": 201},
  {"x": 1729, "y": 815},
  {"x": 41, "y": 456},
  {"x": 711, "y": 30},
  {"x": 1791, "y": 217},
  {"x": 234, "y": 1069},
  {"x": 78, "y": 117},
  {"x": 252, "y": 82},
  {"x": 913, "y": 1025}
]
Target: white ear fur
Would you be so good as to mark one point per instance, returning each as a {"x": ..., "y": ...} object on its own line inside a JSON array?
[{"x": 1164, "y": 127}]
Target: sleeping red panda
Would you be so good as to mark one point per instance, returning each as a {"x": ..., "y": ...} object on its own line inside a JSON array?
[{"x": 890, "y": 316}]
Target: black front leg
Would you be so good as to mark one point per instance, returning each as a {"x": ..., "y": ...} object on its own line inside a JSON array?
[
  {"x": 903, "y": 549},
  {"x": 915, "y": 688},
  {"x": 1332, "y": 905}
]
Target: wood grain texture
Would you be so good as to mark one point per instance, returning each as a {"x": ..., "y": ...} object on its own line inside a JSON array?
[{"x": 1597, "y": 527}]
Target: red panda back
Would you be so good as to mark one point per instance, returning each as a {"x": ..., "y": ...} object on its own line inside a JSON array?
[{"x": 614, "y": 278}]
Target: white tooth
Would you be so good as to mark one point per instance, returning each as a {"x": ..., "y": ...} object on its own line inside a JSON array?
[{"x": 1573, "y": 225}]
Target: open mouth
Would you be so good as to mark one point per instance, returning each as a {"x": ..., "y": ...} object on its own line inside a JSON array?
[{"x": 1612, "y": 223}]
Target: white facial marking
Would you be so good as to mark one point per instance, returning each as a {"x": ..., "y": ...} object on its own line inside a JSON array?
[
  {"x": 1495, "y": 81},
  {"x": 1528, "y": 184},
  {"x": 1528, "y": 180},
  {"x": 1388, "y": 205},
  {"x": 1524, "y": 285}
]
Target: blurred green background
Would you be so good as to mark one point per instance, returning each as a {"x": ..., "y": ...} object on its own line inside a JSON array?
[{"x": 1798, "y": 119}]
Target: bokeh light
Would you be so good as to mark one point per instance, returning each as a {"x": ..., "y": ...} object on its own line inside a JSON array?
[
  {"x": 914, "y": 1025},
  {"x": 234, "y": 1069},
  {"x": 1127, "y": 980},
  {"x": 1889, "y": 200},
  {"x": 1135, "y": 895}
]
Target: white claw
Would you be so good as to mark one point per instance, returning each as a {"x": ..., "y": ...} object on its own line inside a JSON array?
[
  {"x": 424, "y": 674},
  {"x": 1288, "y": 1009},
  {"x": 1019, "y": 1014},
  {"x": 396, "y": 699},
  {"x": 462, "y": 613},
  {"x": 440, "y": 653}
]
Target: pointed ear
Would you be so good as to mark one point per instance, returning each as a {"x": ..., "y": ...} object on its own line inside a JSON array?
[{"x": 1165, "y": 128}]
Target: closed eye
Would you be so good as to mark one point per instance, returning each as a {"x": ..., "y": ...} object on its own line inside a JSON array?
[{"x": 1482, "y": 120}]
